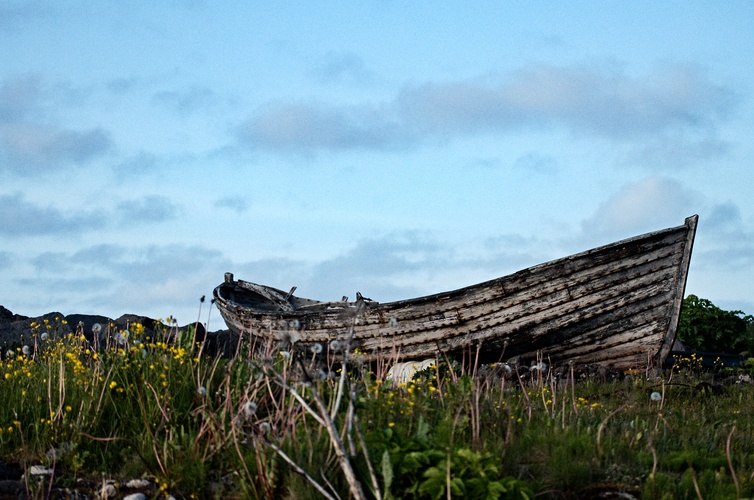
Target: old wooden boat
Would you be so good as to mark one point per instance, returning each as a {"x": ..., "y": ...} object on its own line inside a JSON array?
[{"x": 617, "y": 306}]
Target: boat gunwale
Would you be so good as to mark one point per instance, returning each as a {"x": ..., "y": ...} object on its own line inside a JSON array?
[{"x": 333, "y": 306}]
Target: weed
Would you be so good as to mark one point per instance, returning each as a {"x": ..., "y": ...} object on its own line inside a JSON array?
[{"x": 272, "y": 422}]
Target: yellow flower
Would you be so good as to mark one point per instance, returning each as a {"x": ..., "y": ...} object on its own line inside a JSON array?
[
  {"x": 68, "y": 409},
  {"x": 113, "y": 384},
  {"x": 391, "y": 424}
]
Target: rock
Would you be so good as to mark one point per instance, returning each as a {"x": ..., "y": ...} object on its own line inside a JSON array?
[
  {"x": 136, "y": 484},
  {"x": 11, "y": 487},
  {"x": 10, "y": 472},
  {"x": 16, "y": 330},
  {"x": 107, "y": 490},
  {"x": 8, "y": 317},
  {"x": 39, "y": 470}
]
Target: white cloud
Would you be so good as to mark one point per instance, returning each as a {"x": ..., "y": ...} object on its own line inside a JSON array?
[
  {"x": 31, "y": 141},
  {"x": 238, "y": 204},
  {"x": 186, "y": 101},
  {"x": 116, "y": 279},
  {"x": 310, "y": 127},
  {"x": 342, "y": 66},
  {"x": 650, "y": 204},
  {"x": 21, "y": 218},
  {"x": 6, "y": 259},
  {"x": 592, "y": 100},
  {"x": 147, "y": 209}
]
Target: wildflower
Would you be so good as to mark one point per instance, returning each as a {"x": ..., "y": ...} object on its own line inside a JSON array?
[
  {"x": 541, "y": 366},
  {"x": 316, "y": 348},
  {"x": 335, "y": 345},
  {"x": 26, "y": 350},
  {"x": 44, "y": 336},
  {"x": 285, "y": 355},
  {"x": 265, "y": 427},
  {"x": 113, "y": 384},
  {"x": 121, "y": 337},
  {"x": 291, "y": 337},
  {"x": 295, "y": 324},
  {"x": 10, "y": 353},
  {"x": 655, "y": 396},
  {"x": 202, "y": 391},
  {"x": 249, "y": 409}
]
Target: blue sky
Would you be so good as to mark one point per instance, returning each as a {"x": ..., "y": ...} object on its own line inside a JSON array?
[{"x": 392, "y": 148}]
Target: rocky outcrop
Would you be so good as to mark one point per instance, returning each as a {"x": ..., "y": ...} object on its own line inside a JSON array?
[{"x": 16, "y": 330}]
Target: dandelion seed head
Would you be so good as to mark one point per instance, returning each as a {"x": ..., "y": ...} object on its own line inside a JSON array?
[
  {"x": 335, "y": 345},
  {"x": 44, "y": 336},
  {"x": 202, "y": 391},
  {"x": 655, "y": 396},
  {"x": 26, "y": 350},
  {"x": 265, "y": 427},
  {"x": 96, "y": 328},
  {"x": 249, "y": 409},
  {"x": 316, "y": 348}
]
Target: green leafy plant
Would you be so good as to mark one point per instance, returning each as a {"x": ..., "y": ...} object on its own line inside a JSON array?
[{"x": 705, "y": 327}]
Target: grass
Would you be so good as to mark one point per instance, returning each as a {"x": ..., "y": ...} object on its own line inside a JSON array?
[{"x": 295, "y": 424}]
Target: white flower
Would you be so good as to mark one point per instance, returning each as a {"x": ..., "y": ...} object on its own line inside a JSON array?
[
  {"x": 202, "y": 391},
  {"x": 335, "y": 345},
  {"x": 26, "y": 350},
  {"x": 249, "y": 409},
  {"x": 293, "y": 336},
  {"x": 655, "y": 396},
  {"x": 96, "y": 328},
  {"x": 316, "y": 348},
  {"x": 541, "y": 366},
  {"x": 121, "y": 338}
]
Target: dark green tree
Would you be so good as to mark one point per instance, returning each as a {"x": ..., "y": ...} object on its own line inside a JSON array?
[{"x": 705, "y": 327}]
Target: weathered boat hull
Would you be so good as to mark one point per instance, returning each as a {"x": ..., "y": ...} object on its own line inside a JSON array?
[{"x": 617, "y": 305}]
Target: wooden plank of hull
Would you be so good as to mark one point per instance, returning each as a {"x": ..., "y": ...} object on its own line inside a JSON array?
[{"x": 554, "y": 308}]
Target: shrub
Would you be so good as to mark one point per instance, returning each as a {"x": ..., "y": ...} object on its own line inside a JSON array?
[{"x": 705, "y": 327}]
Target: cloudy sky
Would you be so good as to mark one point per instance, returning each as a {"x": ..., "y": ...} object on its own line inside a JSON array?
[{"x": 392, "y": 148}]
